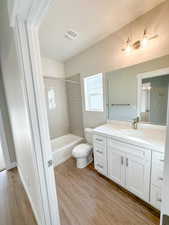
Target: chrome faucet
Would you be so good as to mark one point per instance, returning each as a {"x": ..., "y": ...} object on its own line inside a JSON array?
[{"x": 135, "y": 122}]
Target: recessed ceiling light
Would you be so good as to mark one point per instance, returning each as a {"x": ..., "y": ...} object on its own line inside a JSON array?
[{"x": 71, "y": 35}]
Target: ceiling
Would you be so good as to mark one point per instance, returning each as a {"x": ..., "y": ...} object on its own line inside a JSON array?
[{"x": 93, "y": 20}]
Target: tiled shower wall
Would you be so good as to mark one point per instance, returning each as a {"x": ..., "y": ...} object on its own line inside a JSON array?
[
  {"x": 66, "y": 117},
  {"x": 57, "y": 117},
  {"x": 74, "y": 105}
]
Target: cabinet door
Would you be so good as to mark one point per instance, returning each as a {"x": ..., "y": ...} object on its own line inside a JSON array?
[
  {"x": 116, "y": 167},
  {"x": 155, "y": 197},
  {"x": 138, "y": 176}
]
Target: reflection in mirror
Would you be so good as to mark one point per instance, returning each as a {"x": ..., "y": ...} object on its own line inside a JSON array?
[
  {"x": 121, "y": 100},
  {"x": 126, "y": 99},
  {"x": 154, "y": 98}
]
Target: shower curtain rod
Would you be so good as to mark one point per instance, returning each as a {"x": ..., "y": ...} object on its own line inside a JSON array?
[{"x": 60, "y": 78}]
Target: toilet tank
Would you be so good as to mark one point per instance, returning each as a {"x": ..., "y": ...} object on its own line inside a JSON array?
[{"x": 89, "y": 135}]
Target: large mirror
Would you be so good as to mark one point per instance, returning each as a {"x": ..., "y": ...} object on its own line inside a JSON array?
[{"x": 140, "y": 90}]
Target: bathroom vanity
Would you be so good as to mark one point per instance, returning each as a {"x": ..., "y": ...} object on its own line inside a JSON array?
[{"x": 133, "y": 159}]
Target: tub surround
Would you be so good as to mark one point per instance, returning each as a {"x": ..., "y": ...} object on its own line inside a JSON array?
[{"x": 134, "y": 159}]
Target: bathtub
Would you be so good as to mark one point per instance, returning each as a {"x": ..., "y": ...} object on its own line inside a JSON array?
[{"x": 62, "y": 147}]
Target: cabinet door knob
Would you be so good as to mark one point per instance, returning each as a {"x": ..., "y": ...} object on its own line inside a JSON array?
[
  {"x": 97, "y": 139},
  {"x": 100, "y": 152},
  {"x": 161, "y": 178}
]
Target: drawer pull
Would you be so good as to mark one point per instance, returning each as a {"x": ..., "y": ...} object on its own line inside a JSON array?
[
  {"x": 127, "y": 162},
  {"x": 100, "y": 152},
  {"x": 159, "y": 199},
  {"x": 100, "y": 140},
  {"x": 122, "y": 160},
  {"x": 161, "y": 160},
  {"x": 161, "y": 178},
  {"x": 100, "y": 166}
]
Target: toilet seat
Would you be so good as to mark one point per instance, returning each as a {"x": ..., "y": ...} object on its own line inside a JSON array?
[{"x": 81, "y": 150}]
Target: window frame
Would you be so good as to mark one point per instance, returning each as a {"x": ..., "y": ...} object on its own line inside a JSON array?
[{"x": 87, "y": 107}]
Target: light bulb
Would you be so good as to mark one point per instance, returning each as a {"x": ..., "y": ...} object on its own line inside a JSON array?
[
  {"x": 144, "y": 42},
  {"x": 129, "y": 47}
]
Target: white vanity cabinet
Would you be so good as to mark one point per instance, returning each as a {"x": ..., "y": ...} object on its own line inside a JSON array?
[
  {"x": 130, "y": 166},
  {"x": 137, "y": 169}
]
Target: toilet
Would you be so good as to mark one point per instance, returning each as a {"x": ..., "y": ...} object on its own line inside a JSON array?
[{"x": 83, "y": 152}]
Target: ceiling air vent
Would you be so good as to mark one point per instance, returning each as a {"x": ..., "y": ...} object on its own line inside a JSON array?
[{"x": 70, "y": 34}]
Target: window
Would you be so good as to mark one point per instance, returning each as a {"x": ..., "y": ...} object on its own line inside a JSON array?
[
  {"x": 93, "y": 88},
  {"x": 51, "y": 99}
]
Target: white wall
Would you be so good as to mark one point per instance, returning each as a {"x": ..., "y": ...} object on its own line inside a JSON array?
[
  {"x": 6, "y": 122},
  {"x": 52, "y": 68},
  {"x": 2, "y": 162},
  {"x": 18, "y": 112}
]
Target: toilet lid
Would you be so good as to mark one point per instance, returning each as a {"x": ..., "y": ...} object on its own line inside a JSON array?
[{"x": 81, "y": 150}]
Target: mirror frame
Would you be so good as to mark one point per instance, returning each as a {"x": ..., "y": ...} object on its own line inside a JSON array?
[{"x": 141, "y": 76}]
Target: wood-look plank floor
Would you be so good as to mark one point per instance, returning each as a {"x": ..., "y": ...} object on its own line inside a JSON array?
[
  {"x": 15, "y": 208},
  {"x": 86, "y": 198}
]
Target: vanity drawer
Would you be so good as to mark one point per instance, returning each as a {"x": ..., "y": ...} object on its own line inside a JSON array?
[
  {"x": 100, "y": 165},
  {"x": 133, "y": 150},
  {"x": 157, "y": 173},
  {"x": 155, "y": 197},
  {"x": 99, "y": 140},
  {"x": 100, "y": 151}
]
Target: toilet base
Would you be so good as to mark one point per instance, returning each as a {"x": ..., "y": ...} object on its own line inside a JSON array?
[{"x": 84, "y": 162}]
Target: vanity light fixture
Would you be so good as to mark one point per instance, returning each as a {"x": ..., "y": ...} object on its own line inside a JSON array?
[{"x": 143, "y": 43}]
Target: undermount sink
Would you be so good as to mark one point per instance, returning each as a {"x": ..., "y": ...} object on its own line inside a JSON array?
[{"x": 132, "y": 132}]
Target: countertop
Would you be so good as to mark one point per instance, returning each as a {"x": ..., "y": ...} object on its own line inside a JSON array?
[{"x": 146, "y": 136}]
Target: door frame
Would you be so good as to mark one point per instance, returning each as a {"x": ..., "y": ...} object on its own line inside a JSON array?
[
  {"x": 28, "y": 42},
  {"x": 25, "y": 25},
  {"x": 141, "y": 76},
  {"x": 8, "y": 164}
]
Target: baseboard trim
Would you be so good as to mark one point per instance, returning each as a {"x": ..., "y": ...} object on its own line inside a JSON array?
[{"x": 29, "y": 197}]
